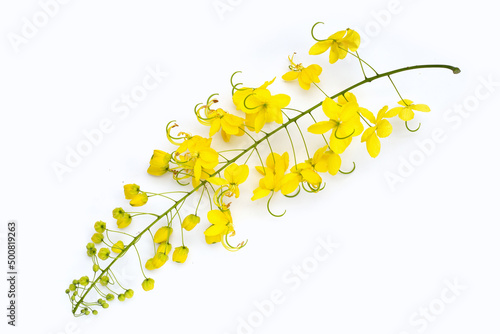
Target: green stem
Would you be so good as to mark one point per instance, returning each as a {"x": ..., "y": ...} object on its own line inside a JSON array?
[{"x": 251, "y": 147}]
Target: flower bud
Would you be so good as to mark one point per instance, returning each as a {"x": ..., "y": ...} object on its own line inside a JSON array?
[
  {"x": 121, "y": 297},
  {"x": 148, "y": 284},
  {"x": 110, "y": 296},
  {"x": 159, "y": 260},
  {"x": 104, "y": 280},
  {"x": 149, "y": 265},
  {"x": 72, "y": 287},
  {"x": 95, "y": 268},
  {"x": 100, "y": 226},
  {"x": 97, "y": 238},
  {"x": 118, "y": 247},
  {"x": 103, "y": 253},
  {"x": 118, "y": 212},
  {"x": 190, "y": 222},
  {"x": 84, "y": 280},
  {"x": 105, "y": 305},
  {"x": 139, "y": 199},
  {"x": 67, "y": 291},
  {"x": 129, "y": 293},
  {"x": 162, "y": 234},
  {"x": 94, "y": 312},
  {"x": 164, "y": 248},
  {"x": 159, "y": 163},
  {"x": 124, "y": 220},
  {"x": 180, "y": 254},
  {"x": 91, "y": 250},
  {"x": 131, "y": 190}
]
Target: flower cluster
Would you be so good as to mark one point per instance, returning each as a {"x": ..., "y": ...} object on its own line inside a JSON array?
[{"x": 216, "y": 175}]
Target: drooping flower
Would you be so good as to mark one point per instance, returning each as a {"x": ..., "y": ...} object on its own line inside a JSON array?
[
  {"x": 273, "y": 174},
  {"x": 344, "y": 121},
  {"x": 197, "y": 155},
  {"x": 406, "y": 112},
  {"x": 162, "y": 234},
  {"x": 190, "y": 221},
  {"x": 219, "y": 119},
  {"x": 305, "y": 75},
  {"x": 339, "y": 44},
  {"x": 381, "y": 129},
  {"x": 326, "y": 160},
  {"x": 234, "y": 175},
  {"x": 302, "y": 172}
]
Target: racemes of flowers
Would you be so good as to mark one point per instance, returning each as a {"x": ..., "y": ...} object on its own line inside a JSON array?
[{"x": 216, "y": 175}]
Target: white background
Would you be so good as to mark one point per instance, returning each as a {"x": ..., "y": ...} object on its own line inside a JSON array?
[{"x": 397, "y": 247}]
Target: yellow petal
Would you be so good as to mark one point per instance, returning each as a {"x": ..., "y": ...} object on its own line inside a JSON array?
[
  {"x": 289, "y": 76},
  {"x": 260, "y": 193},
  {"x": 218, "y": 181},
  {"x": 373, "y": 146},
  {"x": 421, "y": 107},
  {"x": 393, "y": 112},
  {"x": 320, "y": 47},
  {"x": 406, "y": 114},
  {"x": 289, "y": 183},
  {"x": 321, "y": 127},
  {"x": 384, "y": 128}
]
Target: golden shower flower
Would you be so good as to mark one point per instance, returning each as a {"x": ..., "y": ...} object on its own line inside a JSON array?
[
  {"x": 339, "y": 44},
  {"x": 381, "y": 129},
  {"x": 131, "y": 190},
  {"x": 406, "y": 112},
  {"x": 344, "y": 122},
  {"x": 219, "y": 119},
  {"x": 303, "y": 172},
  {"x": 273, "y": 174},
  {"x": 124, "y": 220},
  {"x": 190, "y": 221},
  {"x": 162, "y": 234},
  {"x": 234, "y": 175},
  {"x": 222, "y": 223},
  {"x": 305, "y": 75},
  {"x": 139, "y": 199},
  {"x": 199, "y": 153},
  {"x": 327, "y": 160}
]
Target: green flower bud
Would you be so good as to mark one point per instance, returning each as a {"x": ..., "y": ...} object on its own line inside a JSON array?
[
  {"x": 72, "y": 287},
  {"x": 94, "y": 312},
  {"x": 73, "y": 298},
  {"x": 84, "y": 280},
  {"x": 75, "y": 282},
  {"x": 67, "y": 291},
  {"x": 100, "y": 301},
  {"x": 118, "y": 212},
  {"x": 91, "y": 250},
  {"x": 100, "y": 226},
  {"x": 104, "y": 280},
  {"x": 121, "y": 297},
  {"x": 104, "y": 253},
  {"x": 97, "y": 238},
  {"x": 105, "y": 305},
  {"x": 87, "y": 312},
  {"x": 129, "y": 293},
  {"x": 95, "y": 268},
  {"x": 110, "y": 296},
  {"x": 124, "y": 220},
  {"x": 148, "y": 284}
]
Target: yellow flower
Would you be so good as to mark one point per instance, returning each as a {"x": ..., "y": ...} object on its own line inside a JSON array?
[
  {"x": 234, "y": 175},
  {"x": 273, "y": 173},
  {"x": 344, "y": 123},
  {"x": 118, "y": 247},
  {"x": 162, "y": 234},
  {"x": 198, "y": 155},
  {"x": 338, "y": 43},
  {"x": 180, "y": 254},
  {"x": 303, "y": 172},
  {"x": 260, "y": 106},
  {"x": 164, "y": 248},
  {"x": 381, "y": 129},
  {"x": 213, "y": 239},
  {"x": 219, "y": 119},
  {"x": 159, "y": 163},
  {"x": 222, "y": 223},
  {"x": 326, "y": 161},
  {"x": 190, "y": 221},
  {"x": 159, "y": 260},
  {"x": 305, "y": 75},
  {"x": 406, "y": 111},
  {"x": 148, "y": 284}
]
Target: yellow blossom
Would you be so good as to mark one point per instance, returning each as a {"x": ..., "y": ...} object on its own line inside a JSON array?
[
  {"x": 219, "y": 119},
  {"x": 305, "y": 75},
  {"x": 326, "y": 160},
  {"x": 344, "y": 123},
  {"x": 381, "y": 129},
  {"x": 198, "y": 155},
  {"x": 303, "y": 172},
  {"x": 131, "y": 190},
  {"x": 406, "y": 112},
  {"x": 222, "y": 223},
  {"x": 273, "y": 173},
  {"x": 339, "y": 44},
  {"x": 234, "y": 175}
]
